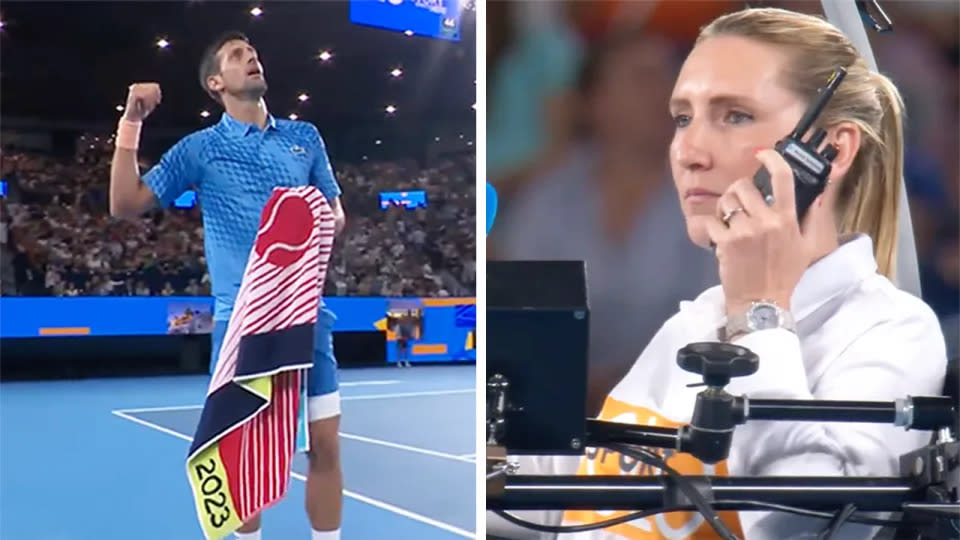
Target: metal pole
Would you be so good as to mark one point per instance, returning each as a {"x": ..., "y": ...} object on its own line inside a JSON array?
[
  {"x": 638, "y": 493},
  {"x": 844, "y": 15}
]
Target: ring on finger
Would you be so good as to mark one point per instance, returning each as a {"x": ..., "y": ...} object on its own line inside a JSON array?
[{"x": 727, "y": 216}]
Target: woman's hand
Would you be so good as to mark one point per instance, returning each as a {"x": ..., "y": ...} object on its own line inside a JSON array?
[{"x": 760, "y": 249}]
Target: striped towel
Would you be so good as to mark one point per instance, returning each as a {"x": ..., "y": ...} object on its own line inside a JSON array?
[{"x": 254, "y": 415}]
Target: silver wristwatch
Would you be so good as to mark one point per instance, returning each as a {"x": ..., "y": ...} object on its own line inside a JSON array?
[{"x": 762, "y": 315}]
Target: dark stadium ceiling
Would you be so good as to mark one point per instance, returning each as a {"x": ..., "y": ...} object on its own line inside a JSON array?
[{"x": 72, "y": 62}]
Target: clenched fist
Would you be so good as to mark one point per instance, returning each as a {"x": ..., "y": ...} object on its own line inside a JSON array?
[{"x": 142, "y": 99}]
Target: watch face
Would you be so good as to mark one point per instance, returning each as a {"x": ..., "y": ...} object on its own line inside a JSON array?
[{"x": 763, "y": 317}]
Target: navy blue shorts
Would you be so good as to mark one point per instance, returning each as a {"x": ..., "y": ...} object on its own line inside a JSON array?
[{"x": 322, "y": 378}]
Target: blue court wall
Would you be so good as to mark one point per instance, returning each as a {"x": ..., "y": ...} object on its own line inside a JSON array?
[{"x": 448, "y": 323}]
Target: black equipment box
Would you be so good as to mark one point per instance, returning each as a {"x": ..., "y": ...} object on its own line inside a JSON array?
[{"x": 537, "y": 336}]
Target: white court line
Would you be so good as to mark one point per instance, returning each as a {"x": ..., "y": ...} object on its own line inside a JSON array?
[
  {"x": 464, "y": 458},
  {"x": 168, "y": 431},
  {"x": 467, "y": 458},
  {"x": 471, "y": 456},
  {"x": 398, "y": 446},
  {"x": 344, "y": 398},
  {"x": 159, "y": 409},
  {"x": 362, "y": 498},
  {"x": 412, "y": 394}
]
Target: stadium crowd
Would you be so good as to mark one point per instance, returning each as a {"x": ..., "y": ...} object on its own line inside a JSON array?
[{"x": 59, "y": 239}]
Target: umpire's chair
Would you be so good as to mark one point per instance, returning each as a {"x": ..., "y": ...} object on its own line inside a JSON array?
[{"x": 951, "y": 387}]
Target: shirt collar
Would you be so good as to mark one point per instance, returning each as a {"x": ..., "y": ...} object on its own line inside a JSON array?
[
  {"x": 829, "y": 277},
  {"x": 237, "y": 128}
]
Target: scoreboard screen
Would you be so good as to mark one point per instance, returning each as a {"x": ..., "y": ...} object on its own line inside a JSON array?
[
  {"x": 439, "y": 19},
  {"x": 406, "y": 199}
]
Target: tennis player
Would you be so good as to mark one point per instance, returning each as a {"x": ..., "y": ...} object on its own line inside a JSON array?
[{"x": 234, "y": 166}]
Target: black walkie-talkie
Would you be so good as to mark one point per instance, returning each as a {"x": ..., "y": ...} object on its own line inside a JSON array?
[{"x": 811, "y": 169}]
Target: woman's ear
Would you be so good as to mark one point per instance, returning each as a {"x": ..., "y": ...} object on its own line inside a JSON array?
[{"x": 846, "y": 137}]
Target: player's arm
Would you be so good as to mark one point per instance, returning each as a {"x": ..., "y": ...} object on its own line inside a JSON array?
[
  {"x": 321, "y": 176},
  {"x": 340, "y": 218},
  {"x": 131, "y": 194}
]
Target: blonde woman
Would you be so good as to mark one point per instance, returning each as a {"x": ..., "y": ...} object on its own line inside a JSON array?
[{"x": 829, "y": 322}]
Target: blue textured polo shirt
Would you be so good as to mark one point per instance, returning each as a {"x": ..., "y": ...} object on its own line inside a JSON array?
[{"x": 234, "y": 167}]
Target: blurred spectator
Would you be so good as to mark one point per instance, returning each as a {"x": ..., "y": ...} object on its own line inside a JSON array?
[
  {"x": 7, "y": 274},
  {"x": 534, "y": 52},
  {"x": 533, "y": 57},
  {"x": 58, "y": 238},
  {"x": 612, "y": 204},
  {"x": 921, "y": 58}
]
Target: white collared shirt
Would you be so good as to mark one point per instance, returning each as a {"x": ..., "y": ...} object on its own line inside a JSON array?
[{"x": 858, "y": 338}]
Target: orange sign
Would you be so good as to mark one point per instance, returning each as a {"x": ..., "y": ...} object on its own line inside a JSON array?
[{"x": 671, "y": 526}]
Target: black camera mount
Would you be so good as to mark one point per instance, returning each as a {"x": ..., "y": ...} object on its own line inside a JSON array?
[{"x": 927, "y": 490}]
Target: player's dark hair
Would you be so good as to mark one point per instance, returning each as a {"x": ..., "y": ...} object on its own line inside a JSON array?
[{"x": 210, "y": 63}]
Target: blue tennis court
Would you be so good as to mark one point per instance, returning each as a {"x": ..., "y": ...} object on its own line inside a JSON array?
[{"x": 105, "y": 459}]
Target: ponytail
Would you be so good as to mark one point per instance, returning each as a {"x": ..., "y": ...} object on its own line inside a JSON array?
[{"x": 872, "y": 204}]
